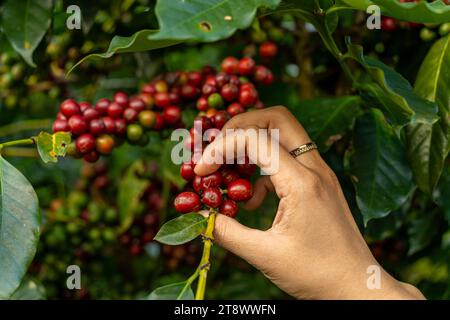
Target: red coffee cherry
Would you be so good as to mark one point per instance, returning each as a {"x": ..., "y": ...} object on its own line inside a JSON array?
[
  {"x": 61, "y": 126},
  {"x": 263, "y": 75},
  {"x": 212, "y": 197},
  {"x": 229, "y": 208},
  {"x": 120, "y": 127},
  {"x": 197, "y": 184},
  {"x": 214, "y": 180},
  {"x": 110, "y": 125},
  {"x": 211, "y": 134},
  {"x": 235, "y": 108},
  {"x": 222, "y": 79},
  {"x": 159, "y": 122},
  {"x": 189, "y": 91},
  {"x": 172, "y": 114},
  {"x": 202, "y": 104},
  {"x": 220, "y": 118},
  {"x": 130, "y": 115},
  {"x": 84, "y": 105},
  {"x": 60, "y": 116},
  {"x": 230, "y": 65},
  {"x": 174, "y": 98},
  {"x": 91, "y": 157},
  {"x": 388, "y": 24},
  {"x": 85, "y": 143},
  {"x": 162, "y": 99},
  {"x": 137, "y": 104},
  {"x": 230, "y": 92},
  {"x": 246, "y": 66},
  {"x": 202, "y": 121},
  {"x": 268, "y": 50},
  {"x": 97, "y": 127},
  {"x": 187, "y": 202},
  {"x": 102, "y": 106},
  {"x": 195, "y": 78},
  {"x": 240, "y": 190},
  {"x": 187, "y": 171},
  {"x": 208, "y": 89},
  {"x": 115, "y": 110},
  {"x": 148, "y": 88},
  {"x": 121, "y": 98},
  {"x": 70, "y": 108},
  {"x": 77, "y": 124},
  {"x": 90, "y": 114},
  {"x": 247, "y": 96},
  {"x": 228, "y": 176},
  {"x": 104, "y": 144}
]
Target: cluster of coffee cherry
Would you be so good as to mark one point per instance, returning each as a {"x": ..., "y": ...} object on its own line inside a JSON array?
[{"x": 233, "y": 90}]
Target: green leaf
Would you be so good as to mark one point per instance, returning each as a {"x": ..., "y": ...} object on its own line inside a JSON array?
[
  {"x": 443, "y": 199},
  {"x": 51, "y": 146},
  {"x": 19, "y": 227},
  {"x": 423, "y": 228},
  {"x": 207, "y": 20},
  {"x": 182, "y": 229},
  {"x": 136, "y": 43},
  {"x": 378, "y": 167},
  {"x": 175, "y": 291},
  {"x": 29, "y": 290},
  {"x": 327, "y": 119},
  {"x": 187, "y": 20},
  {"x": 420, "y": 12},
  {"x": 131, "y": 189},
  {"x": 393, "y": 92},
  {"x": 25, "y": 24},
  {"x": 428, "y": 144}
]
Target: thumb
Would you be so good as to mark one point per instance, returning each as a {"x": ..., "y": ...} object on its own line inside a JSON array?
[{"x": 250, "y": 244}]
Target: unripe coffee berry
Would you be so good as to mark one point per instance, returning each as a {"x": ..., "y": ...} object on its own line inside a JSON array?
[
  {"x": 104, "y": 144},
  {"x": 212, "y": 197},
  {"x": 215, "y": 101},
  {"x": 187, "y": 202},
  {"x": 240, "y": 190},
  {"x": 134, "y": 132},
  {"x": 147, "y": 119}
]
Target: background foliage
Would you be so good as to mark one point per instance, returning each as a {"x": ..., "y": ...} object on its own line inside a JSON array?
[{"x": 375, "y": 101}]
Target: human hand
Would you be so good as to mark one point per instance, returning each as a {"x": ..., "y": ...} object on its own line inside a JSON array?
[{"x": 314, "y": 249}]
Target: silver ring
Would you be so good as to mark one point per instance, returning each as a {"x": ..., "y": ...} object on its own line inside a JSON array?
[{"x": 303, "y": 149}]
